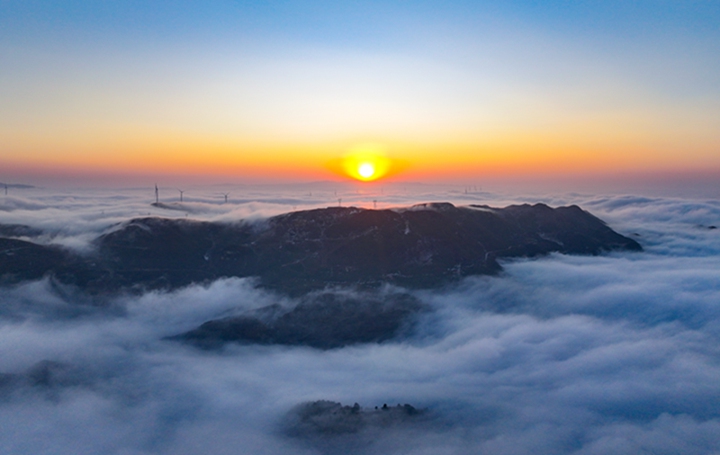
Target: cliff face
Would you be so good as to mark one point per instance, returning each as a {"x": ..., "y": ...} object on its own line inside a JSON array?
[{"x": 422, "y": 246}]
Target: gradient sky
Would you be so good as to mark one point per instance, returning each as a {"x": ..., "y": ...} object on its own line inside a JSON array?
[{"x": 278, "y": 90}]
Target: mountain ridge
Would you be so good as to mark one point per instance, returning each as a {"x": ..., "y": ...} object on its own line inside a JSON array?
[{"x": 422, "y": 246}]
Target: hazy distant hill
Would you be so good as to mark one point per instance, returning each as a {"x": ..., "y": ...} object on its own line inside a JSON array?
[{"x": 15, "y": 185}]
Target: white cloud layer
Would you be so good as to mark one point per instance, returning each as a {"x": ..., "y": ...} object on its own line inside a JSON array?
[{"x": 558, "y": 355}]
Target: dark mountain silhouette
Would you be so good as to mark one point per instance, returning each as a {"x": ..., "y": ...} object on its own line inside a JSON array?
[
  {"x": 328, "y": 427},
  {"x": 18, "y": 230},
  {"x": 21, "y": 260},
  {"x": 423, "y": 246},
  {"x": 325, "y": 418},
  {"x": 321, "y": 320}
]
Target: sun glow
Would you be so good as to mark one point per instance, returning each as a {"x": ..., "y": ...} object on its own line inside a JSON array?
[{"x": 366, "y": 163}]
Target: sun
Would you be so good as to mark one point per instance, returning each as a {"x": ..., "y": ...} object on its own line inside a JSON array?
[
  {"x": 366, "y": 170},
  {"x": 365, "y": 162}
]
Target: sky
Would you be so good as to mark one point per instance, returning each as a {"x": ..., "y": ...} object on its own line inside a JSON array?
[
  {"x": 570, "y": 355},
  {"x": 240, "y": 91}
]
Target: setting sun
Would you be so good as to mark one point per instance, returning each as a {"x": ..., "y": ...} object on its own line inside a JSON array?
[
  {"x": 366, "y": 170},
  {"x": 364, "y": 162}
]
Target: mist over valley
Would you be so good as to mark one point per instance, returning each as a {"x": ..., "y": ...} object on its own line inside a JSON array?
[{"x": 614, "y": 351}]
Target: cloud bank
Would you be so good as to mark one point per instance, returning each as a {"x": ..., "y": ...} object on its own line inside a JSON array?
[{"x": 557, "y": 355}]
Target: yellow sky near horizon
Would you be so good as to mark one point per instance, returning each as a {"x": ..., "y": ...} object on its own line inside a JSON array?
[{"x": 575, "y": 148}]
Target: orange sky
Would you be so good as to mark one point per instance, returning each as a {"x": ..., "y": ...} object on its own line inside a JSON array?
[
  {"x": 509, "y": 153},
  {"x": 441, "y": 93}
]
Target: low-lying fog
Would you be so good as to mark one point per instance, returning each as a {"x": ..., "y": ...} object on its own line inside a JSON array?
[{"x": 615, "y": 354}]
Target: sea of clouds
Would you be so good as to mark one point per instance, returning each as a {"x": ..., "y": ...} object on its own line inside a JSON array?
[{"x": 612, "y": 354}]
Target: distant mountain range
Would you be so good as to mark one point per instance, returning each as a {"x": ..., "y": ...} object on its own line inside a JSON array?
[
  {"x": 422, "y": 246},
  {"x": 15, "y": 185}
]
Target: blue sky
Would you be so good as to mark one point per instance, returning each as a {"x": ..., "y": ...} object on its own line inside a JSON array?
[{"x": 358, "y": 22}]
